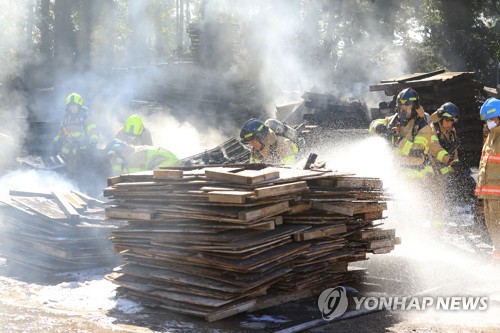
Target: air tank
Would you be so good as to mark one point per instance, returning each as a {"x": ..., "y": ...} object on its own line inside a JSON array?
[{"x": 282, "y": 129}]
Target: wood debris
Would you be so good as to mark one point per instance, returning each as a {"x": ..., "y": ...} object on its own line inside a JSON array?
[
  {"x": 217, "y": 241},
  {"x": 54, "y": 232}
]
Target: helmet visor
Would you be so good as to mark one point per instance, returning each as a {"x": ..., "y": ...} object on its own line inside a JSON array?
[{"x": 449, "y": 117}]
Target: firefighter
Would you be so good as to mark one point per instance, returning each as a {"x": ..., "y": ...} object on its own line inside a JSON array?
[
  {"x": 488, "y": 185},
  {"x": 127, "y": 158},
  {"x": 444, "y": 141},
  {"x": 458, "y": 181},
  {"x": 408, "y": 133},
  {"x": 77, "y": 137},
  {"x": 134, "y": 132},
  {"x": 266, "y": 145}
]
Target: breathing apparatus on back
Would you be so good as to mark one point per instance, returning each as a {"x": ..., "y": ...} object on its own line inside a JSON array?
[{"x": 282, "y": 129}]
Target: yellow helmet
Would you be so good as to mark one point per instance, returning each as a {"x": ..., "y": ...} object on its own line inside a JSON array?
[
  {"x": 134, "y": 125},
  {"x": 74, "y": 98}
]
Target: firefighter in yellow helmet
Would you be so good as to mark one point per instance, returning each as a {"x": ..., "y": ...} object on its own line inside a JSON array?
[
  {"x": 409, "y": 134},
  {"x": 127, "y": 158},
  {"x": 267, "y": 146},
  {"x": 134, "y": 132},
  {"x": 77, "y": 137}
]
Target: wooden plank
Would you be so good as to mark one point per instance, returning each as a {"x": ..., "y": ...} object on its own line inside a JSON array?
[
  {"x": 275, "y": 190},
  {"x": 217, "y": 188},
  {"x": 383, "y": 250},
  {"x": 229, "y": 196},
  {"x": 332, "y": 208},
  {"x": 76, "y": 199},
  {"x": 373, "y": 234},
  {"x": 74, "y": 203},
  {"x": 300, "y": 208},
  {"x": 376, "y": 244},
  {"x": 114, "y": 180},
  {"x": 415, "y": 76},
  {"x": 42, "y": 206},
  {"x": 365, "y": 183},
  {"x": 273, "y": 300},
  {"x": 65, "y": 206},
  {"x": 247, "y": 177},
  {"x": 167, "y": 174},
  {"x": 18, "y": 207},
  {"x": 30, "y": 194},
  {"x": 263, "y": 212},
  {"x": 320, "y": 232},
  {"x": 400, "y": 86},
  {"x": 370, "y": 216},
  {"x": 230, "y": 310},
  {"x": 133, "y": 214},
  {"x": 89, "y": 200}
]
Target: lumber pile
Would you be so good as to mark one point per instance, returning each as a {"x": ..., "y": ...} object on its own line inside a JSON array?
[
  {"x": 328, "y": 110},
  {"x": 217, "y": 241},
  {"x": 54, "y": 232}
]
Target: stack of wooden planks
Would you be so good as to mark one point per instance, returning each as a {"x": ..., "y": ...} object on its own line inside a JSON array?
[
  {"x": 216, "y": 241},
  {"x": 55, "y": 232}
]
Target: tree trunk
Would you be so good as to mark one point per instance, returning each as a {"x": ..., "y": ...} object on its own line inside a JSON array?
[
  {"x": 457, "y": 23},
  {"x": 179, "y": 26},
  {"x": 29, "y": 25},
  {"x": 64, "y": 35},
  {"x": 140, "y": 28},
  {"x": 159, "y": 28},
  {"x": 45, "y": 40},
  {"x": 84, "y": 34}
]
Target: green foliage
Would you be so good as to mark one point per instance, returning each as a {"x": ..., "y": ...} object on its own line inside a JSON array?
[{"x": 340, "y": 40}]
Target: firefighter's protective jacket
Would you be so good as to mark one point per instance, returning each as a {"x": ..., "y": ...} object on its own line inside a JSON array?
[
  {"x": 410, "y": 142},
  {"x": 144, "y": 139},
  {"x": 276, "y": 150},
  {"x": 488, "y": 184},
  {"x": 77, "y": 133},
  {"x": 140, "y": 158},
  {"x": 443, "y": 147}
]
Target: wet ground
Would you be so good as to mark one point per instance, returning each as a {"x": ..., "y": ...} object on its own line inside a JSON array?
[{"x": 86, "y": 302}]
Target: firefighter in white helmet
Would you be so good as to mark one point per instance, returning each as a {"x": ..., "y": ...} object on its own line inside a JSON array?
[{"x": 488, "y": 184}]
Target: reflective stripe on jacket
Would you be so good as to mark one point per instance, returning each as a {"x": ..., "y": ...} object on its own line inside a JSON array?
[
  {"x": 141, "y": 158},
  {"x": 488, "y": 183},
  {"x": 77, "y": 132},
  {"x": 410, "y": 143},
  {"x": 440, "y": 140}
]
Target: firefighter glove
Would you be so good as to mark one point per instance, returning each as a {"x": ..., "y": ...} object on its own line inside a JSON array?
[
  {"x": 384, "y": 132},
  {"x": 416, "y": 153},
  {"x": 457, "y": 166}
]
